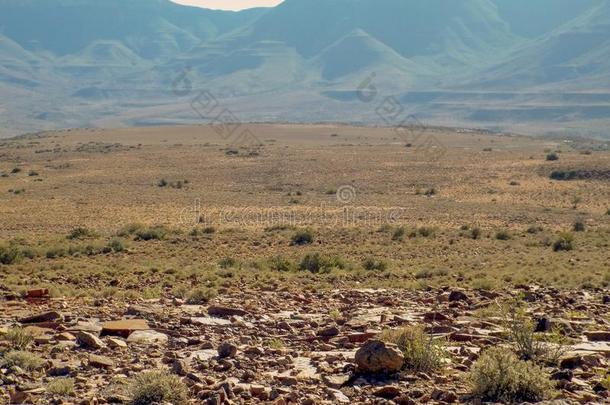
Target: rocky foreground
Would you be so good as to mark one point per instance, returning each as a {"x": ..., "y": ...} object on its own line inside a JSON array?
[{"x": 283, "y": 347}]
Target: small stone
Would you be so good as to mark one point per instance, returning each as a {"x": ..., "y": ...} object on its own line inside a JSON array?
[
  {"x": 88, "y": 340},
  {"x": 387, "y": 392},
  {"x": 328, "y": 331},
  {"x": 377, "y": 356},
  {"x": 147, "y": 337},
  {"x": 116, "y": 343},
  {"x": 227, "y": 349},
  {"x": 65, "y": 336}
]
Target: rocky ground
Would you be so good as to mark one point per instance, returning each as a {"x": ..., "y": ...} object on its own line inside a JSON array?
[{"x": 292, "y": 347}]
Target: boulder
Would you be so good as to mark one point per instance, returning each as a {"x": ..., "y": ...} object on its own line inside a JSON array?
[
  {"x": 89, "y": 341},
  {"x": 227, "y": 349},
  {"x": 377, "y": 356}
]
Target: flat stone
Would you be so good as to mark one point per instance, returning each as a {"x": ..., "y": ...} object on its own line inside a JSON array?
[
  {"x": 92, "y": 327},
  {"x": 123, "y": 327},
  {"x": 43, "y": 317},
  {"x": 147, "y": 337},
  {"x": 361, "y": 337},
  {"x": 88, "y": 340},
  {"x": 100, "y": 361},
  {"x": 217, "y": 310},
  {"x": 204, "y": 355},
  {"x": 116, "y": 343},
  {"x": 336, "y": 380},
  {"x": 210, "y": 321},
  {"x": 598, "y": 336}
]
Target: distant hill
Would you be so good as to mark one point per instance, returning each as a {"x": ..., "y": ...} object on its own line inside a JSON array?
[{"x": 525, "y": 65}]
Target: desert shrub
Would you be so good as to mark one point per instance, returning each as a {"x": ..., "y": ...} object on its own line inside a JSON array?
[
  {"x": 32, "y": 173},
  {"x": 534, "y": 229},
  {"x": 372, "y": 264},
  {"x": 475, "y": 233},
  {"x": 499, "y": 376},
  {"x": 564, "y": 174},
  {"x": 10, "y": 254},
  {"x": 227, "y": 262},
  {"x": 16, "y": 170},
  {"x": 19, "y": 338},
  {"x": 56, "y": 251},
  {"x": 316, "y": 263},
  {"x": 399, "y": 234},
  {"x": 201, "y": 295},
  {"x": 158, "y": 387},
  {"x": 129, "y": 230},
  {"x": 565, "y": 242},
  {"x": 552, "y": 157},
  {"x": 422, "y": 351},
  {"x": 425, "y": 231},
  {"x": 278, "y": 263},
  {"x": 117, "y": 245},
  {"x": 162, "y": 183},
  {"x": 81, "y": 233},
  {"x": 503, "y": 235},
  {"x": 25, "y": 360},
  {"x": 157, "y": 232},
  {"x": 431, "y": 273},
  {"x": 608, "y": 212},
  {"x": 302, "y": 237},
  {"x": 61, "y": 386},
  {"x": 579, "y": 226}
]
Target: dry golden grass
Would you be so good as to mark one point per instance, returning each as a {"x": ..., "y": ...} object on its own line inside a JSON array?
[{"x": 103, "y": 180}]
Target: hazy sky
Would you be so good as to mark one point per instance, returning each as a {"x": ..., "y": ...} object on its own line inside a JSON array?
[{"x": 229, "y": 4}]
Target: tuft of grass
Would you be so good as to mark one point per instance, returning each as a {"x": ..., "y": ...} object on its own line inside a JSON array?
[
  {"x": 200, "y": 296},
  {"x": 399, "y": 234},
  {"x": 25, "y": 360},
  {"x": 227, "y": 262},
  {"x": 157, "y": 232},
  {"x": 16, "y": 170},
  {"x": 422, "y": 352},
  {"x": 19, "y": 338},
  {"x": 551, "y": 157},
  {"x": 499, "y": 376},
  {"x": 475, "y": 233},
  {"x": 61, "y": 386},
  {"x": 565, "y": 242},
  {"x": 117, "y": 245},
  {"x": 158, "y": 387},
  {"x": 425, "y": 231},
  {"x": 280, "y": 264},
  {"x": 302, "y": 237}
]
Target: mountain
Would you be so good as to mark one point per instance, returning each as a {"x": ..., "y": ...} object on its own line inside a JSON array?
[{"x": 529, "y": 65}]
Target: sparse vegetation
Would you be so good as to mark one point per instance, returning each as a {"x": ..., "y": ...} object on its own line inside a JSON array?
[
  {"x": 10, "y": 254},
  {"x": 81, "y": 233},
  {"x": 316, "y": 263},
  {"x": 201, "y": 296},
  {"x": 422, "y": 351},
  {"x": 19, "y": 338},
  {"x": 61, "y": 386},
  {"x": 579, "y": 226},
  {"x": 372, "y": 264},
  {"x": 503, "y": 235},
  {"x": 158, "y": 387},
  {"x": 499, "y": 376},
  {"x": 565, "y": 242},
  {"x": 552, "y": 157}
]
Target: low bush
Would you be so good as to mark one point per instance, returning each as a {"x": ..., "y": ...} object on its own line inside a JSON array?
[
  {"x": 499, "y": 376},
  {"x": 372, "y": 264},
  {"x": 61, "y": 386},
  {"x": 399, "y": 234},
  {"x": 302, "y": 237},
  {"x": 157, "y": 232},
  {"x": 19, "y": 338},
  {"x": 200, "y": 296},
  {"x": 25, "y": 360},
  {"x": 278, "y": 263},
  {"x": 552, "y": 157},
  {"x": 503, "y": 235},
  {"x": 422, "y": 352},
  {"x": 316, "y": 263},
  {"x": 565, "y": 242},
  {"x": 81, "y": 233},
  {"x": 158, "y": 387},
  {"x": 475, "y": 233},
  {"x": 10, "y": 254},
  {"x": 227, "y": 262},
  {"x": 117, "y": 245},
  {"x": 579, "y": 226}
]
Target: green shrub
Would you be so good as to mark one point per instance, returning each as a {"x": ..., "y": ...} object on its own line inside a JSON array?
[
  {"x": 25, "y": 360},
  {"x": 579, "y": 226},
  {"x": 372, "y": 264},
  {"x": 499, "y": 376},
  {"x": 503, "y": 235},
  {"x": 158, "y": 387},
  {"x": 81, "y": 233},
  {"x": 302, "y": 237},
  {"x": 227, "y": 262},
  {"x": 200, "y": 296},
  {"x": 565, "y": 242},
  {"x": 278, "y": 263},
  {"x": 422, "y": 352},
  {"x": 158, "y": 232},
  {"x": 552, "y": 157},
  {"x": 10, "y": 254},
  {"x": 117, "y": 245},
  {"x": 316, "y": 263},
  {"x": 425, "y": 231},
  {"x": 61, "y": 386},
  {"x": 18, "y": 338},
  {"x": 399, "y": 234}
]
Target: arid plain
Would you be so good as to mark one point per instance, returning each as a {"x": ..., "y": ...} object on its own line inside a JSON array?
[{"x": 357, "y": 229}]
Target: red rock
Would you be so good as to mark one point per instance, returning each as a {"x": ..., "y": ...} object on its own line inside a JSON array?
[
  {"x": 216, "y": 310},
  {"x": 387, "y": 392},
  {"x": 43, "y": 317},
  {"x": 37, "y": 293},
  {"x": 124, "y": 327}
]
